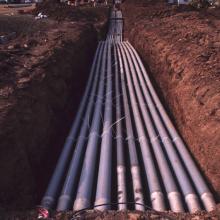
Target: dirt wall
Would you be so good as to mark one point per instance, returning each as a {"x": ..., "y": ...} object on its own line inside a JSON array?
[
  {"x": 43, "y": 76},
  {"x": 181, "y": 47}
]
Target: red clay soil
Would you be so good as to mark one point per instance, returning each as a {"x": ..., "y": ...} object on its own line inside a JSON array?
[
  {"x": 115, "y": 215},
  {"x": 182, "y": 49},
  {"x": 43, "y": 72}
]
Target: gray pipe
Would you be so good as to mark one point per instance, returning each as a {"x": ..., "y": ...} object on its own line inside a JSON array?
[
  {"x": 184, "y": 182},
  {"x": 87, "y": 175},
  {"x": 156, "y": 194},
  {"x": 52, "y": 191},
  {"x": 135, "y": 169},
  {"x": 121, "y": 169},
  {"x": 201, "y": 186},
  {"x": 140, "y": 89},
  {"x": 103, "y": 192},
  {"x": 65, "y": 199},
  {"x": 167, "y": 177}
]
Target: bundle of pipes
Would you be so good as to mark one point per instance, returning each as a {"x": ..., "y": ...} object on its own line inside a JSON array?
[
  {"x": 115, "y": 27},
  {"x": 122, "y": 129},
  {"x": 180, "y": 176}
]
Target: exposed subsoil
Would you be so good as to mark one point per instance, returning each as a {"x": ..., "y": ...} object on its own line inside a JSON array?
[
  {"x": 43, "y": 73},
  {"x": 116, "y": 215},
  {"x": 11, "y": 11},
  {"x": 182, "y": 49}
]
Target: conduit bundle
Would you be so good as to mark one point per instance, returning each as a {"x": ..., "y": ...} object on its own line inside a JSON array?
[
  {"x": 115, "y": 32},
  {"x": 123, "y": 147}
]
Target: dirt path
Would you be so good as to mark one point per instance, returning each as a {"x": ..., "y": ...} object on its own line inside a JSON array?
[{"x": 182, "y": 48}]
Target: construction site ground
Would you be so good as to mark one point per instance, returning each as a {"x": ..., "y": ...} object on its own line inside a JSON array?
[{"x": 44, "y": 69}]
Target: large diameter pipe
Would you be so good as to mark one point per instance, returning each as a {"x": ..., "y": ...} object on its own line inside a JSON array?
[
  {"x": 66, "y": 197},
  {"x": 83, "y": 198},
  {"x": 103, "y": 191},
  {"x": 173, "y": 194},
  {"x": 53, "y": 188},
  {"x": 121, "y": 169},
  {"x": 135, "y": 169},
  {"x": 201, "y": 186},
  {"x": 156, "y": 195},
  {"x": 184, "y": 182}
]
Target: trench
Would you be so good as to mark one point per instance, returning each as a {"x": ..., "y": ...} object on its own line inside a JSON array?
[
  {"x": 150, "y": 153},
  {"x": 50, "y": 106},
  {"x": 64, "y": 118}
]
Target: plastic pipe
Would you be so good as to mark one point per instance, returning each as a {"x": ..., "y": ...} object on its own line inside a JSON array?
[
  {"x": 66, "y": 197},
  {"x": 156, "y": 195},
  {"x": 53, "y": 188},
  {"x": 83, "y": 198},
  {"x": 135, "y": 169},
  {"x": 173, "y": 194},
  {"x": 103, "y": 191},
  {"x": 121, "y": 169}
]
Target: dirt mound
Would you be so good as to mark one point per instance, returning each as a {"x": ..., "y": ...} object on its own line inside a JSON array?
[
  {"x": 36, "y": 90},
  {"x": 182, "y": 48},
  {"x": 62, "y": 11}
]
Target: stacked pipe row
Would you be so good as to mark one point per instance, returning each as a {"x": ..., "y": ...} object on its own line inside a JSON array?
[
  {"x": 122, "y": 147},
  {"x": 115, "y": 32},
  {"x": 175, "y": 173}
]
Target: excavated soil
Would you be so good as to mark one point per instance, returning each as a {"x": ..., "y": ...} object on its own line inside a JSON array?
[
  {"x": 116, "y": 215},
  {"x": 60, "y": 12},
  {"x": 44, "y": 70},
  {"x": 43, "y": 75},
  {"x": 182, "y": 49}
]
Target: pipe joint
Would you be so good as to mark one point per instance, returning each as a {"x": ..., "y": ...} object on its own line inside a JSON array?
[
  {"x": 157, "y": 201},
  {"x": 175, "y": 202},
  {"x": 208, "y": 201},
  {"x": 192, "y": 202}
]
